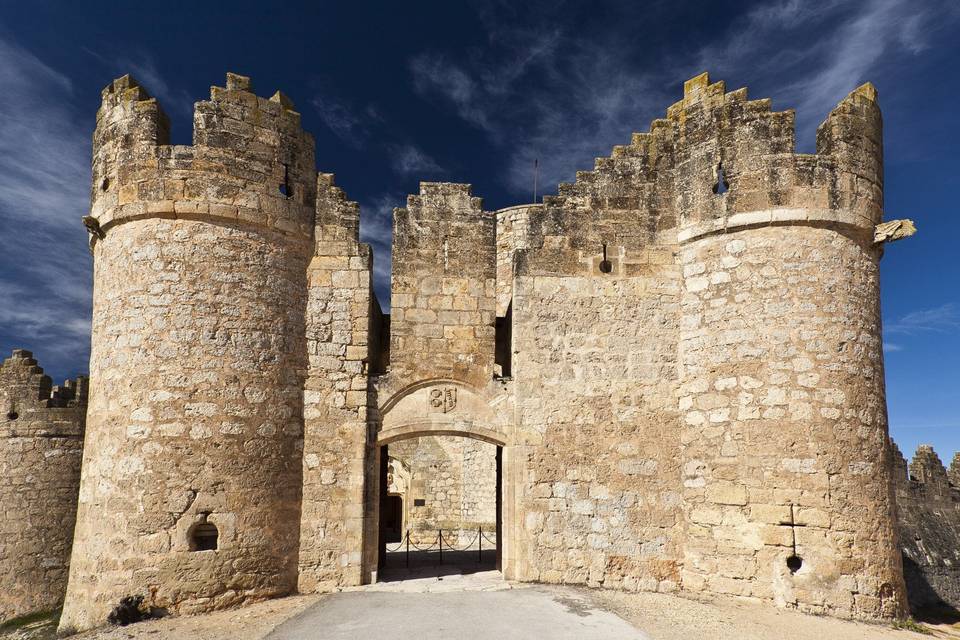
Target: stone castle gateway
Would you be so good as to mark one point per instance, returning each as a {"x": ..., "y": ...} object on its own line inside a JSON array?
[{"x": 678, "y": 358}]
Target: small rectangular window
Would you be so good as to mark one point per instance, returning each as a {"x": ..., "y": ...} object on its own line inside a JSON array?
[{"x": 419, "y": 502}]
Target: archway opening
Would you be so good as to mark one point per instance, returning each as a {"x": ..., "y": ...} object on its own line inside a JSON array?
[{"x": 440, "y": 507}]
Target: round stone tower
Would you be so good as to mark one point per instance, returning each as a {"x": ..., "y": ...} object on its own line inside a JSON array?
[
  {"x": 191, "y": 482},
  {"x": 41, "y": 442},
  {"x": 786, "y": 463}
]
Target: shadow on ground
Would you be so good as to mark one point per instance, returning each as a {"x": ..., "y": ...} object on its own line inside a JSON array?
[{"x": 428, "y": 564}]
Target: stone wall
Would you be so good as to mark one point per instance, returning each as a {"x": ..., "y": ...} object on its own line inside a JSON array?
[
  {"x": 200, "y": 259},
  {"x": 41, "y": 440},
  {"x": 769, "y": 348},
  {"x": 339, "y": 510},
  {"x": 512, "y": 231},
  {"x": 443, "y": 287},
  {"x": 928, "y": 517},
  {"x": 598, "y": 499},
  {"x": 456, "y": 478}
]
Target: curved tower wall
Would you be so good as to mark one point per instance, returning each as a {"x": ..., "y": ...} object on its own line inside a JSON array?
[
  {"x": 41, "y": 442},
  {"x": 786, "y": 463},
  {"x": 198, "y": 354}
]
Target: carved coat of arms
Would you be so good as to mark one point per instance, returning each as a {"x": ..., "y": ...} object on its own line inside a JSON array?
[{"x": 443, "y": 399}]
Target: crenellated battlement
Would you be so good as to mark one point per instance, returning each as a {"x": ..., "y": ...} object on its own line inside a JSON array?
[
  {"x": 25, "y": 389},
  {"x": 250, "y": 161},
  {"x": 926, "y": 470},
  {"x": 432, "y": 193},
  {"x": 928, "y": 521},
  {"x": 337, "y": 221},
  {"x": 719, "y": 161}
]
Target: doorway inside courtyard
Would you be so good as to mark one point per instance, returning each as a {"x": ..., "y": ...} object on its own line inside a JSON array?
[{"x": 440, "y": 509}]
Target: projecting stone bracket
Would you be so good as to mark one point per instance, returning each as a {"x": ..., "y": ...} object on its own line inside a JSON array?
[
  {"x": 893, "y": 230},
  {"x": 93, "y": 227}
]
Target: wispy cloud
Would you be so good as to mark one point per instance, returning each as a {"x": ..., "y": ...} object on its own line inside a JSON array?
[
  {"x": 810, "y": 55},
  {"x": 567, "y": 96},
  {"x": 410, "y": 160},
  {"x": 376, "y": 229},
  {"x": 44, "y": 183},
  {"x": 341, "y": 120},
  {"x": 434, "y": 74},
  {"x": 587, "y": 98},
  {"x": 891, "y": 347},
  {"x": 942, "y": 319}
]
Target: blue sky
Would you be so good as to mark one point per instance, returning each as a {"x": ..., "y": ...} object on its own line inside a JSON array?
[{"x": 473, "y": 92}]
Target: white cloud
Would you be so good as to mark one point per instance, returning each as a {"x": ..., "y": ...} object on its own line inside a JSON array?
[
  {"x": 942, "y": 319},
  {"x": 175, "y": 101},
  {"x": 44, "y": 190},
  {"x": 566, "y": 98},
  {"x": 588, "y": 99},
  {"x": 890, "y": 347},
  {"x": 341, "y": 120},
  {"x": 410, "y": 160},
  {"x": 810, "y": 55}
]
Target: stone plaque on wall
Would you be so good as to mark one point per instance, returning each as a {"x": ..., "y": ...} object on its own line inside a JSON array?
[{"x": 443, "y": 399}]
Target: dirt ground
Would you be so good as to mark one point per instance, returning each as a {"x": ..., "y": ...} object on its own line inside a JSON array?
[
  {"x": 666, "y": 617},
  {"x": 660, "y": 616}
]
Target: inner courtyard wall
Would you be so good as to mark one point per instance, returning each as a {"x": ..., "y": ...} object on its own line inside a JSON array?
[{"x": 456, "y": 478}]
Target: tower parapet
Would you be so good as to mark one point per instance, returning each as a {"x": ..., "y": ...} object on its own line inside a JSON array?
[
  {"x": 200, "y": 259},
  {"x": 250, "y": 161},
  {"x": 41, "y": 444}
]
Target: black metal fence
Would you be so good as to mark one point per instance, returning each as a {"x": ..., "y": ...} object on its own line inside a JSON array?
[{"x": 439, "y": 543}]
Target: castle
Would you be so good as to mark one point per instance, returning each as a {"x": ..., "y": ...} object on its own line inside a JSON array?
[{"x": 677, "y": 357}]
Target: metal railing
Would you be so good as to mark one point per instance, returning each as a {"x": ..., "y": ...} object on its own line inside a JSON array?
[{"x": 439, "y": 543}]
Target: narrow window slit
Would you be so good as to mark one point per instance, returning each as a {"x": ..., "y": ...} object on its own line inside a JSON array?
[
  {"x": 605, "y": 265},
  {"x": 286, "y": 189},
  {"x": 722, "y": 185}
]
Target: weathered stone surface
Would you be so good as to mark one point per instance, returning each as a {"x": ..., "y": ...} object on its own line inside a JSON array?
[{"x": 893, "y": 230}]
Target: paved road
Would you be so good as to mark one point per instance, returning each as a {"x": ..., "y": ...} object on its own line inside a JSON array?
[{"x": 503, "y": 614}]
